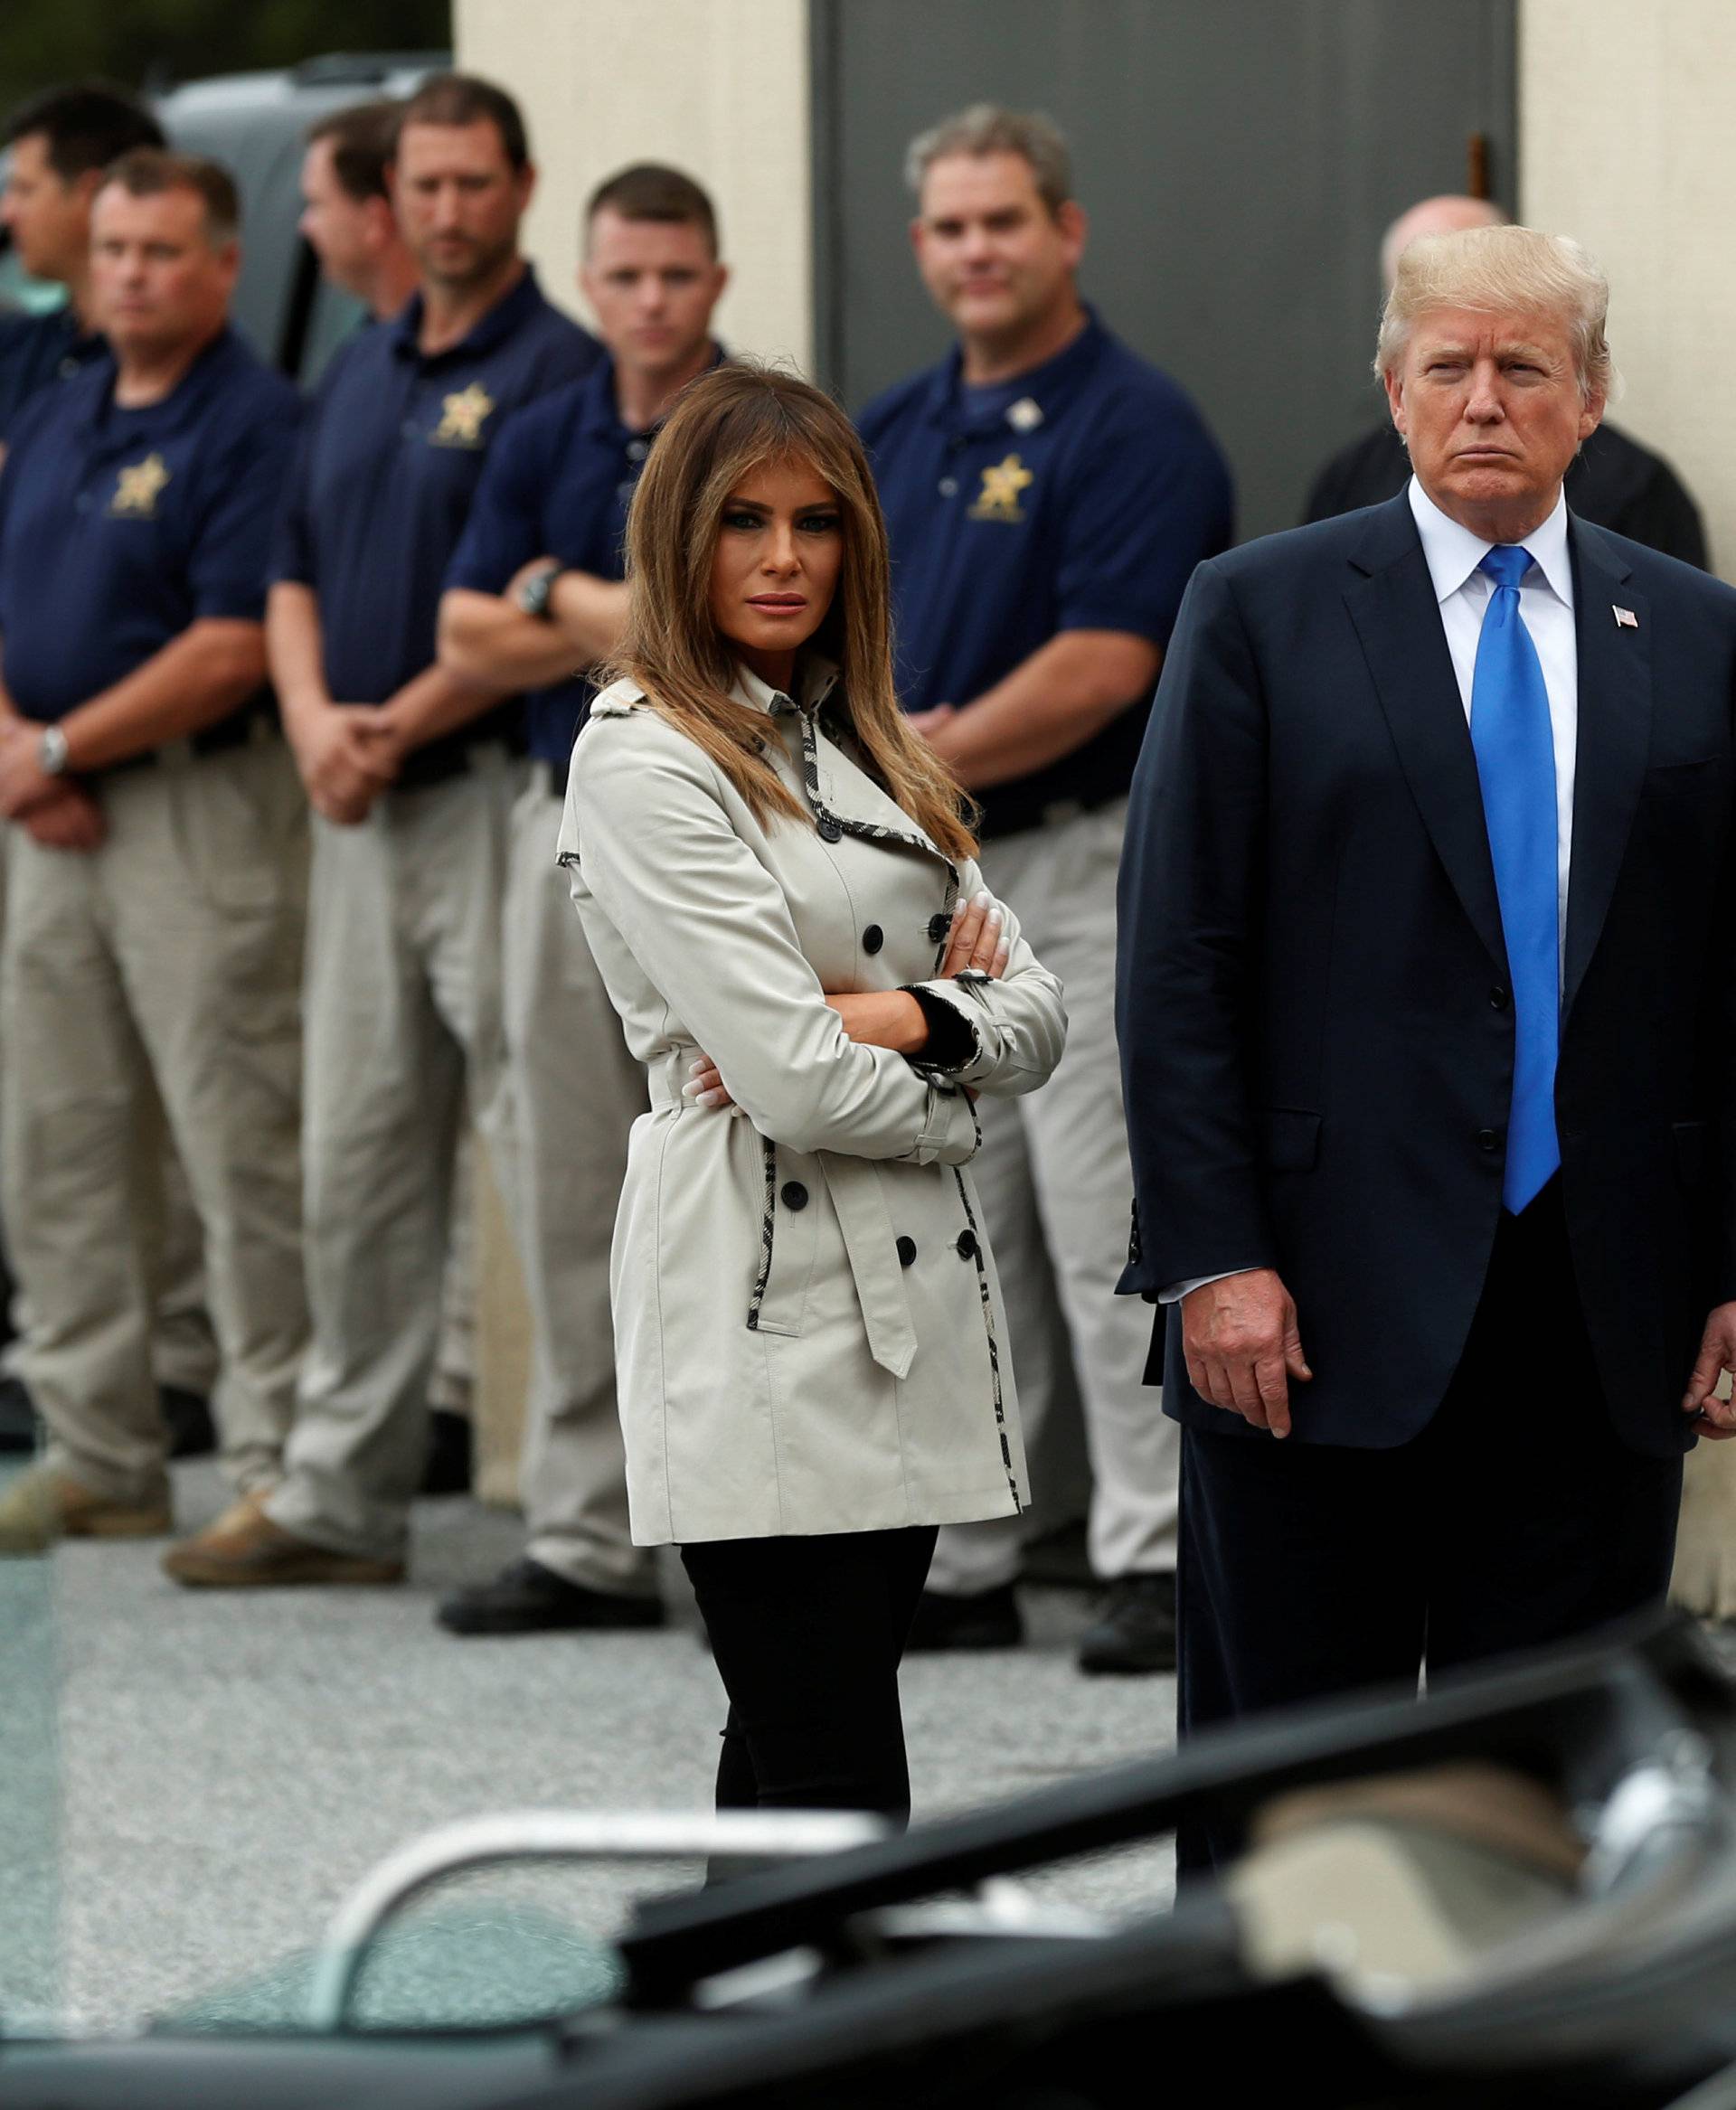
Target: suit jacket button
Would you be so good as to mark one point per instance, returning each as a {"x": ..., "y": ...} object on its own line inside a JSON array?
[
  {"x": 907, "y": 1252},
  {"x": 1487, "y": 1139},
  {"x": 1500, "y": 996},
  {"x": 939, "y": 926},
  {"x": 795, "y": 1195},
  {"x": 872, "y": 938},
  {"x": 966, "y": 1244}
]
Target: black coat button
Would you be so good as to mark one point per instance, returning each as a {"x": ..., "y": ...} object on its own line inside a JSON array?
[
  {"x": 872, "y": 938},
  {"x": 795, "y": 1195},
  {"x": 907, "y": 1252},
  {"x": 966, "y": 1244},
  {"x": 939, "y": 926},
  {"x": 1487, "y": 1139},
  {"x": 1500, "y": 996},
  {"x": 830, "y": 832}
]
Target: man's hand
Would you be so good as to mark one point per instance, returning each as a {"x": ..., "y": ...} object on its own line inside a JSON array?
[
  {"x": 24, "y": 783},
  {"x": 343, "y": 767},
  {"x": 1717, "y": 1417},
  {"x": 1241, "y": 1346},
  {"x": 68, "y": 820},
  {"x": 388, "y": 738}
]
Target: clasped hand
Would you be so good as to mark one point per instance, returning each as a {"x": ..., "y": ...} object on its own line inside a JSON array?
[
  {"x": 348, "y": 754},
  {"x": 881, "y": 1018},
  {"x": 57, "y": 812}
]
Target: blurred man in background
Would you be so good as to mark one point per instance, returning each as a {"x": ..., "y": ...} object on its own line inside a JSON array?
[
  {"x": 348, "y": 214},
  {"x": 534, "y": 592},
  {"x": 155, "y": 861},
  {"x": 1614, "y": 481},
  {"x": 1048, "y": 495},
  {"x": 58, "y": 143},
  {"x": 412, "y": 774}
]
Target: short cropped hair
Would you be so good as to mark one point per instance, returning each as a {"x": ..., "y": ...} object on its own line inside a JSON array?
[
  {"x": 147, "y": 172},
  {"x": 85, "y": 126},
  {"x": 465, "y": 98},
  {"x": 650, "y": 191},
  {"x": 363, "y": 139},
  {"x": 1502, "y": 270},
  {"x": 985, "y": 127}
]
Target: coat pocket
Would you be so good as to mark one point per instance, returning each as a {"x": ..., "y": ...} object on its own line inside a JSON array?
[
  {"x": 794, "y": 1197},
  {"x": 1289, "y": 1138}
]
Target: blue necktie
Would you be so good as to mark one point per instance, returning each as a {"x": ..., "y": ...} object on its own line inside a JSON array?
[{"x": 1515, "y": 764}]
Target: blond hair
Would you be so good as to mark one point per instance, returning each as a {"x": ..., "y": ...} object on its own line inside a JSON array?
[
  {"x": 735, "y": 420},
  {"x": 1502, "y": 270}
]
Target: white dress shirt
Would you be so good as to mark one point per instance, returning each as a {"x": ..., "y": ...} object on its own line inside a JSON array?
[{"x": 1453, "y": 554}]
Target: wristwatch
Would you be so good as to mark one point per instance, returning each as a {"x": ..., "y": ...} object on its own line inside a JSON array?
[
  {"x": 534, "y": 595},
  {"x": 51, "y": 751}
]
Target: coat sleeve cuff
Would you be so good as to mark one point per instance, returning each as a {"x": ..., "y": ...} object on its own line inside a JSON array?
[{"x": 951, "y": 1132}]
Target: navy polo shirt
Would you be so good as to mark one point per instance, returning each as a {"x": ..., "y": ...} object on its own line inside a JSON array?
[
  {"x": 120, "y": 527},
  {"x": 558, "y": 485},
  {"x": 1081, "y": 499},
  {"x": 389, "y": 464},
  {"x": 38, "y": 349}
]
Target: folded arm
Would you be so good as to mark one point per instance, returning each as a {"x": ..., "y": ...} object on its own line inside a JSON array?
[{"x": 711, "y": 931}]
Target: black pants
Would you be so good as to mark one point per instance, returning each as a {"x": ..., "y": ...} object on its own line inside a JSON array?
[
  {"x": 807, "y": 1634},
  {"x": 1516, "y": 1520}
]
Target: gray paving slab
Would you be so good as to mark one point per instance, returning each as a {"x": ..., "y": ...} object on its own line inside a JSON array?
[{"x": 215, "y": 1771}]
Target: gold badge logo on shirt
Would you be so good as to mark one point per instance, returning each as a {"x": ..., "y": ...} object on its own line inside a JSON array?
[
  {"x": 1002, "y": 483},
  {"x": 138, "y": 489},
  {"x": 462, "y": 414}
]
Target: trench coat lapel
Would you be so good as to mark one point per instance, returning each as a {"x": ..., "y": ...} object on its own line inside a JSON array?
[
  {"x": 1392, "y": 602},
  {"x": 1615, "y": 669}
]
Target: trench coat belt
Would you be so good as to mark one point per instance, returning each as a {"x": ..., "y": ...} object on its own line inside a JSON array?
[{"x": 866, "y": 1221}]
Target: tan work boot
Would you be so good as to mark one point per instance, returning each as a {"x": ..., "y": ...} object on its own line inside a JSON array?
[
  {"x": 42, "y": 1506},
  {"x": 244, "y": 1549}
]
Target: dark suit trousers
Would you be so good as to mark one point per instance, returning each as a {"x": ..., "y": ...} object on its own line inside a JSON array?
[{"x": 1516, "y": 1520}]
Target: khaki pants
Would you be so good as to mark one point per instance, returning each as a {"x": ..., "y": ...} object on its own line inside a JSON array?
[
  {"x": 403, "y": 1024},
  {"x": 575, "y": 1092},
  {"x": 1057, "y": 1193},
  {"x": 183, "y": 1348},
  {"x": 157, "y": 978}
]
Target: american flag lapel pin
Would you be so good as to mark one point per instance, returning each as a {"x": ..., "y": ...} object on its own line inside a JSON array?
[{"x": 1626, "y": 618}]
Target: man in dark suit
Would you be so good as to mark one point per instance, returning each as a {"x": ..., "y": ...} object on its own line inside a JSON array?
[
  {"x": 1612, "y": 481},
  {"x": 1425, "y": 1002}
]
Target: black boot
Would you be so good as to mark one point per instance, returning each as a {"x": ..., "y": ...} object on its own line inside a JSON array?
[
  {"x": 1134, "y": 1629},
  {"x": 988, "y": 1619}
]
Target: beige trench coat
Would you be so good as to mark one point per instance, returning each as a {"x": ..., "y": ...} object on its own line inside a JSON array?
[{"x": 809, "y": 1334}]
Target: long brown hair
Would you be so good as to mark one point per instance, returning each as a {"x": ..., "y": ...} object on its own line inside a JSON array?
[{"x": 726, "y": 424}]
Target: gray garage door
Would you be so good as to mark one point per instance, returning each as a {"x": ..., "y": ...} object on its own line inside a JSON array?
[{"x": 1238, "y": 160}]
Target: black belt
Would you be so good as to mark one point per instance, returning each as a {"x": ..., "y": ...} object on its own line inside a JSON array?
[
  {"x": 238, "y": 729},
  {"x": 439, "y": 763}
]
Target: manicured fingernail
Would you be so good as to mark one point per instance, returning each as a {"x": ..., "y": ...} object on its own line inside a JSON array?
[
  {"x": 982, "y": 899},
  {"x": 996, "y": 920},
  {"x": 710, "y": 1099}
]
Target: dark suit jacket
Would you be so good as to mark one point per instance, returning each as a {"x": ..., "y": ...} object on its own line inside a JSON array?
[
  {"x": 1613, "y": 481},
  {"x": 1317, "y": 1033}
]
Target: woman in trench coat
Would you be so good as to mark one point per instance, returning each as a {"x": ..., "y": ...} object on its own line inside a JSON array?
[{"x": 780, "y": 892}]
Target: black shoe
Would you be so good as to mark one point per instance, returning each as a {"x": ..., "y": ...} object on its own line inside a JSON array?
[
  {"x": 1135, "y": 1628},
  {"x": 529, "y": 1598},
  {"x": 450, "y": 1453},
  {"x": 989, "y": 1619},
  {"x": 17, "y": 1417},
  {"x": 191, "y": 1432}
]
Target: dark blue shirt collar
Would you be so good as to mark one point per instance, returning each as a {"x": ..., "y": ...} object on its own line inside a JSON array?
[
  {"x": 493, "y": 327},
  {"x": 1049, "y": 386},
  {"x": 600, "y": 415},
  {"x": 186, "y": 400}
]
